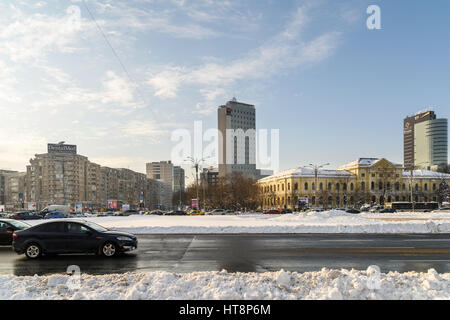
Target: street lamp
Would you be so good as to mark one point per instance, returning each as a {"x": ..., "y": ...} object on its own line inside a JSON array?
[
  {"x": 316, "y": 168},
  {"x": 196, "y": 164},
  {"x": 411, "y": 176}
]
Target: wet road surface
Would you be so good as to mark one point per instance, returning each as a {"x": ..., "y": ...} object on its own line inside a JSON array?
[{"x": 252, "y": 253}]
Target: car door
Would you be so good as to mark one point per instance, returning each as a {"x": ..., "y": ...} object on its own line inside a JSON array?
[
  {"x": 80, "y": 238},
  {"x": 52, "y": 236}
]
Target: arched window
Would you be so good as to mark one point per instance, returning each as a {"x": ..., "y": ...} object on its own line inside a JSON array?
[
  {"x": 380, "y": 185},
  {"x": 313, "y": 186},
  {"x": 306, "y": 185},
  {"x": 372, "y": 185},
  {"x": 416, "y": 187},
  {"x": 351, "y": 187},
  {"x": 363, "y": 186},
  {"x": 397, "y": 186},
  {"x": 321, "y": 186},
  {"x": 329, "y": 186},
  {"x": 344, "y": 187},
  {"x": 403, "y": 187},
  {"x": 426, "y": 187},
  {"x": 296, "y": 186},
  {"x": 338, "y": 186}
]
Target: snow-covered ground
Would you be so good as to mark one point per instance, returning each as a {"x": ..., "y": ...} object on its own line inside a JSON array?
[
  {"x": 281, "y": 285},
  {"x": 317, "y": 222}
]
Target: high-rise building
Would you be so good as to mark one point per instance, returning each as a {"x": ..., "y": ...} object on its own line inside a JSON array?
[
  {"x": 210, "y": 176},
  {"x": 425, "y": 142},
  {"x": 163, "y": 171},
  {"x": 237, "y": 138}
]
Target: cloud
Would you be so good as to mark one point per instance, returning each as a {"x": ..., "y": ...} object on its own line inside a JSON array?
[{"x": 283, "y": 52}]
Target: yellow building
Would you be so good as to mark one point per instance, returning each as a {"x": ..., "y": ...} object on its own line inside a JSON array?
[{"x": 364, "y": 181}]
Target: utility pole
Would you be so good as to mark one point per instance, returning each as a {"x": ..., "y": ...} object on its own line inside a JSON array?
[{"x": 316, "y": 178}]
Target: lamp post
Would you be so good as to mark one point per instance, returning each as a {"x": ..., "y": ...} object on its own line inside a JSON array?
[
  {"x": 411, "y": 176},
  {"x": 196, "y": 164},
  {"x": 316, "y": 174}
]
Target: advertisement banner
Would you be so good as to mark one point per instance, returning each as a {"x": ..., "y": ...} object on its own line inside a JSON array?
[
  {"x": 32, "y": 206},
  {"x": 303, "y": 201},
  {"x": 112, "y": 204},
  {"x": 125, "y": 207},
  {"x": 194, "y": 203},
  {"x": 2, "y": 208},
  {"x": 78, "y": 207}
]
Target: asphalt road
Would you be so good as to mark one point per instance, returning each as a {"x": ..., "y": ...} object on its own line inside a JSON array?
[{"x": 253, "y": 253}]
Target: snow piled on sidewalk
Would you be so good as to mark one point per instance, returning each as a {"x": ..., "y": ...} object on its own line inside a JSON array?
[
  {"x": 282, "y": 285},
  {"x": 333, "y": 221}
]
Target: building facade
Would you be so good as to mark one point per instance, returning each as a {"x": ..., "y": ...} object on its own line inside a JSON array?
[
  {"x": 364, "y": 181},
  {"x": 237, "y": 138},
  {"x": 425, "y": 142},
  {"x": 163, "y": 171},
  {"x": 61, "y": 176}
]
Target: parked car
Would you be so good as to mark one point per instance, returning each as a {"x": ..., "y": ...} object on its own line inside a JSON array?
[
  {"x": 196, "y": 213},
  {"x": 286, "y": 211},
  {"x": 272, "y": 212},
  {"x": 175, "y": 213},
  {"x": 25, "y": 215},
  {"x": 71, "y": 236},
  {"x": 388, "y": 210},
  {"x": 231, "y": 212},
  {"x": 122, "y": 213},
  {"x": 354, "y": 211},
  {"x": 7, "y": 228},
  {"x": 55, "y": 215},
  {"x": 217, "y": 212},
  {"x": 157, "y": 212}
]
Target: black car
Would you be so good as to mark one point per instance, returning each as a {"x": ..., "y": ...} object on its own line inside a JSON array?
[
  {"x": 388, "y": 210},
  {"x": 354, "y": 211},
  {"x": 7, "y": 228},
  {"x": 175, "y": 213},
  {"x": 71, "y": 236},
  {"x": 286, "y": 211},
  {"x": 25, "y": 215}
]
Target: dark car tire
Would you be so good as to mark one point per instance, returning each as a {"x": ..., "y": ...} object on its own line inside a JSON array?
[
  {"x": 109, "y": 249},
  {"x": 33, "y": 251}
]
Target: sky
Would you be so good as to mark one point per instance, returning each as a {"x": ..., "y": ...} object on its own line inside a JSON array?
[{"x": 116, "y": 78}]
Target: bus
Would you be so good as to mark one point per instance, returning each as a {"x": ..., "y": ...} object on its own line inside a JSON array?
[{"x": 417, "y": 206}]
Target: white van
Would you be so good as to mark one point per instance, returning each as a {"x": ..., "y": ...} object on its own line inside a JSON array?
[{"x": 55, "y": 207}]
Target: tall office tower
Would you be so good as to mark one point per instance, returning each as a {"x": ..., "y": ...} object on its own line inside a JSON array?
[
  {"x": 425, "y": 142},
  {"x": 237, "y": 138},
  {"x": 178, "y": 179},
  {"x": 163, "y": 172}
]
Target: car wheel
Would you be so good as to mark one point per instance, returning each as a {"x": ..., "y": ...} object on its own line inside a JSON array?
[
  {"x": 109, "y": 249},
  {"x": 33, "y": 251}
]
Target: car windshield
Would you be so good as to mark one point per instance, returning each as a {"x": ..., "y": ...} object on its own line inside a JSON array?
[
  {"x": 95, "y": 226},
  {"x": 19, "y": 224}
]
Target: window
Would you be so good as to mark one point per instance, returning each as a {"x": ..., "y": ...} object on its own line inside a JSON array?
[
  {"x": 296, "y": 186},
  {"x": 344, "y": 187},
  {"x": 306, "y": 185},
  {"x": 426, "y": 186},
  {"x": 337, "y": 186},
  {"x": 76, "y": 228},
  {"x": 363, "y": 186},
  {"x": 321, "y": 186},
  {"x": 351, "y": 187},
  {"x": 372, "y": 185},
  {"x": 51, "y": 227}
]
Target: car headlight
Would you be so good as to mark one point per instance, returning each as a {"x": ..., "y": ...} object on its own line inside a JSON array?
[{"x": 124, "y": 238}]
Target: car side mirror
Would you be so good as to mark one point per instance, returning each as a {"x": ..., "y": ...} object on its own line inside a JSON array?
[{"x": 9, "y": 230}]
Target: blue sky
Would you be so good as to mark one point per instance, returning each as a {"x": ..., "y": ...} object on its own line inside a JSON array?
[{"x": 336, "y": 90}]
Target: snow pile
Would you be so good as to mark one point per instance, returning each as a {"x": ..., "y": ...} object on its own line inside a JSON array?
[
  {"x": 334, "y": 221},
  {"x": 282, "y": 285}
]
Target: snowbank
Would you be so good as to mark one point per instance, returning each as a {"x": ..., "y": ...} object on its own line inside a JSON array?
[
  {"x": 282, "y": 285},
  {"x": 333, "y": 221}
]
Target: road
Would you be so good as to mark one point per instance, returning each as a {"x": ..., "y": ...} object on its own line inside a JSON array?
[{"x": 253, "y": 253}]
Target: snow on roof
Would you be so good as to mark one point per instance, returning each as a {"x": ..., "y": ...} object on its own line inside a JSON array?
[
  {"x": 426, "y": 174},
  {"x": 365, "y": 162},
  {"x": 307, "y": 172}
]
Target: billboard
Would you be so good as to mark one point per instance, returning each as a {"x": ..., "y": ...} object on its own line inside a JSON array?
[
  {"x": 303, "y": 201},
  {"x": 61, "y": 148},
  {"x": 78, "y": 207},
  {"x": 32, "y": 206},
  {"x": 125, "y": 207},
  {"x": 113, "y": 204},
  {"x": 194, "y": 203}
]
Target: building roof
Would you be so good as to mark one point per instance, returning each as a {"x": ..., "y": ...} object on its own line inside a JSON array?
[
  {"x": 426, "y": 174},
  {"x": 307, "y": 172},
  {"x": 365, "y": 163}
]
